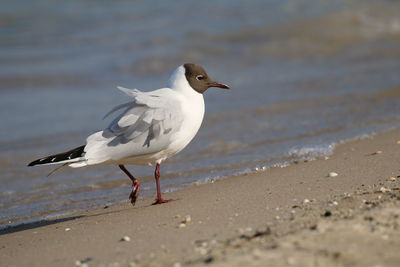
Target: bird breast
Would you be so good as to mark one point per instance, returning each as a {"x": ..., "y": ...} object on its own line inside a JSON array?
[{"x": 193, "y": 110}]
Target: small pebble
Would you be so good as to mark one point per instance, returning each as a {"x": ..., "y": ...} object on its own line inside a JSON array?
[
  {"x": 332, "y": 174},
  {"x": 334, "y": 203},
  {"x": 177, "y": 264},
  {"x": 182, "y": 225},
  {"x": 377, "y": 152},
  {"x": 398, "y": 142},
  {"x": 187, "y": 219},
  {"x": 392, "y": 179},
  {"x": 67, "y": 229},
  {"x": 126, "y": 238},
  {"x": 305, "y": 201},
  {"x": 384, "y": 190}
]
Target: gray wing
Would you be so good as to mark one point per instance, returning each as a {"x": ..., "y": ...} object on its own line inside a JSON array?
[{"x": 144, "y": 126}]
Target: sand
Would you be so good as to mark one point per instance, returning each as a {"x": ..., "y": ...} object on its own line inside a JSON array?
[{"x": 296, "y": 215}]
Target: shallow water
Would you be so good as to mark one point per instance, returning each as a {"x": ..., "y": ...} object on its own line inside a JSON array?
[{"x": 305, "y": 75}]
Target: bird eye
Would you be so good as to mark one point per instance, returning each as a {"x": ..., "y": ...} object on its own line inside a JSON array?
[{"x": 199, "y": 77}]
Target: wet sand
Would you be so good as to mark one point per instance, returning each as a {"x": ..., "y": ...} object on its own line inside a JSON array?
[{"x": 296, "y": 215}]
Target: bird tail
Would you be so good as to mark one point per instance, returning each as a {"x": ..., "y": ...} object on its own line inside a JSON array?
[{"x": 72, "y": 155}]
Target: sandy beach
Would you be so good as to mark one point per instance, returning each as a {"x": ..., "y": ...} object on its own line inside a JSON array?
[{"x": 298, "y": 215}]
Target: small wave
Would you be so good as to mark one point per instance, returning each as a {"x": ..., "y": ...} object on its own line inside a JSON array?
[
  {"x": 311, "y": 152},
  {"x": 209, "y": 179}
]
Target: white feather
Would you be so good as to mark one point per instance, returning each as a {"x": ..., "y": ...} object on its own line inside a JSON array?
[{"x": 150, "y": 128}]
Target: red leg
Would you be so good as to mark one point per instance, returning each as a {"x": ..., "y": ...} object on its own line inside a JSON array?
[
  {"x": 159, "y": 199},
  {"x": 135, "y": 185}
]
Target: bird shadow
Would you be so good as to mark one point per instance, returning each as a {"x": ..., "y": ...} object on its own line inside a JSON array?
[
  {"x": 43, "y": 223},
  {"x": 33, "y": 225}
]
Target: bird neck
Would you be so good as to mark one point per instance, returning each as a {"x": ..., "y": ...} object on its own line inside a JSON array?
[{"x": 179, "y": 83}]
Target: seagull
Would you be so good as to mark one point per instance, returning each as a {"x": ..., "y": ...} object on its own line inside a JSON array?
[{"x": 150, "y": 128}]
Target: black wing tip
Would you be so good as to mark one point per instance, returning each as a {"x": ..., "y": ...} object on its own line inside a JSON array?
[
  {"x": 31, "y": 164},
  {"x": 73, "y": 153}
]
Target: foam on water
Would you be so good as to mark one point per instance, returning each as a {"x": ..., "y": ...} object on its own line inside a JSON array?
[{"x": 311, "y": 152}]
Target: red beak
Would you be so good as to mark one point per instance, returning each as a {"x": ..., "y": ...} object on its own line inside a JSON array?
[{"x": 219, "y": 85}]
